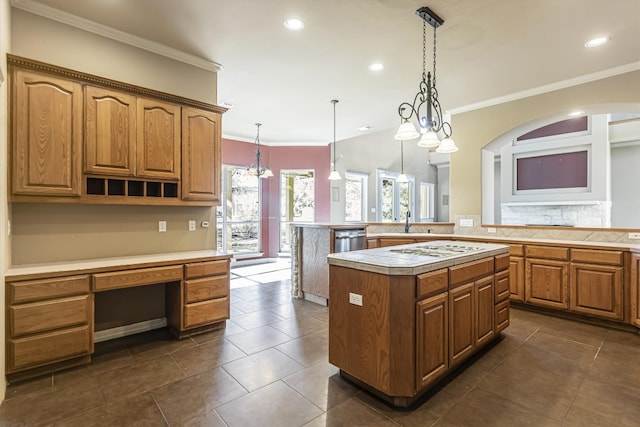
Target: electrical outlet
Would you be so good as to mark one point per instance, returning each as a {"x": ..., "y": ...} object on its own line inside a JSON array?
[
  {"x": 204, "y": 224},
  {"x": 467, "y": 222},
  {"x": 491, "y": 230},
  {"x": 355, "y": 299},
  {"x": 634, "y": 235},
  {"x": 162, "y": 226},
  {"x": 192, "y": 225}
]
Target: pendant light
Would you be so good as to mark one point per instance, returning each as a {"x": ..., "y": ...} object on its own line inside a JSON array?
[
  {"x": 402, "y": 178},
  {"x": 334, "y": 175},
  {"x": 257, "y": 170},
  {"x": 431, "y": 122}
]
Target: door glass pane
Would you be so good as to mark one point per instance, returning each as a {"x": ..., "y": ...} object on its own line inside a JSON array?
[
  {"x": 405, "y": 199},
  {"x": 387, "y": 196},
  {"x": 355, "y": 197},
  {"x": 297, "y": 202}
]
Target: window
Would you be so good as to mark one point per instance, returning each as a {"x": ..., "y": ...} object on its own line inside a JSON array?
[
  {"x": 355, "y": 205},
  {"x": 395, "y": 198},
  {"x": 238, "y": 217},
  {"x": 427, "y": 202},
  {"x": 297, "y": 202}
]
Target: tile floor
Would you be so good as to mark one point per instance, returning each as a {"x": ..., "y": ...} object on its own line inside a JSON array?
[{"x": 269, "y": 368}]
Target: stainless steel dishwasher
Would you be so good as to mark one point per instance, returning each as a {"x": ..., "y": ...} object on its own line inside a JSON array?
[{"x": 351, "y": 239}]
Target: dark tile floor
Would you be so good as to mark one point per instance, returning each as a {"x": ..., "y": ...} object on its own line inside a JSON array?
[{"x": 269, "y": 368}]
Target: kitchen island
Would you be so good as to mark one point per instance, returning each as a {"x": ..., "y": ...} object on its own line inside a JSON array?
[{"x": 403, "y": 317}]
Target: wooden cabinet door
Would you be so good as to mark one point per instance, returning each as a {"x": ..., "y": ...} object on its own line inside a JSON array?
[
  {"x": 46, "y": 135},
  {"x": 516, "y": 278},
  {"x": 547, "y": 283},
  {"x": 110, "y": 132},
  {"x": 432, "y": 340},
  {"x": 635, "y": 289},
  {"x": 461, "y": 323},
  {"x": 484, "y": 309},
  {"x": 201, "y": 155},
  {"x": 158, "y": 141},
  {"x": 596, "y": 290}
]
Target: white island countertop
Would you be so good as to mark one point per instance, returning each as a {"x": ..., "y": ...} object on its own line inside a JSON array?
[{"x": 416, "y": 258}]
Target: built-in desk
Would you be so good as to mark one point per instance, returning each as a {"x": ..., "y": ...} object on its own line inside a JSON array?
[{"x": 50, "y": 307}]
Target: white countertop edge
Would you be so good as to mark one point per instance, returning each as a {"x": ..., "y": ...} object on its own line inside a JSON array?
[{"x": 58, "y": 267}]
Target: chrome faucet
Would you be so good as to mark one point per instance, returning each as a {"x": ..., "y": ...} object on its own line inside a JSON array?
[{"x": 406, "y": 224}]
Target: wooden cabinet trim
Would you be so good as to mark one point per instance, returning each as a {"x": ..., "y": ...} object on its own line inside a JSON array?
[
  {"x": 593, "y": 256},
  {"x": 206, "y": 288},
  {"x": 31, "y": 318},
  {"x": 547, "y": 252},
  {"x": 432, "y": 283},
  {"x": 194, "y": 270},
  {"x": 470, "y": 271},
  {"x": 201, "y": 313}
]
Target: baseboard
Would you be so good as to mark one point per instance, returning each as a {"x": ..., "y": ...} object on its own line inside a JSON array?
[
  {"x": 316, "y": 299},
  {"x": 126, "y": 330}
]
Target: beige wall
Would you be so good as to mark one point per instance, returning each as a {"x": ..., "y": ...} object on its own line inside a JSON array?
[
  {"x": 5, "y": 253},
  {"x": 475, "y": 129}
]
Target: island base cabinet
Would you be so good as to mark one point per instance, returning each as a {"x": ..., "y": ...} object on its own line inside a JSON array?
[
  {"x": 461, "y": 323},
  {"x": 432, "y": 339}
]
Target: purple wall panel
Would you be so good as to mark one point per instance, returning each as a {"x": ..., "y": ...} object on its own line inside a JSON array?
[{"x": 566, "y": 170}]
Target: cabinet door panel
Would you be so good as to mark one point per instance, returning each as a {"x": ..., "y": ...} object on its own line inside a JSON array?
[
  {"x": 201, "y": 151},
  {"x": 484, "y": 309},
  {"x": 547, "y": 283},
  {"x": 158, "y": 142},
  {"x": 461, "y": 323},
  {"x": 634, "y": 283},
  {"x": 47, "y": 133},
  {"x": 432, "y": 338},
  {"x": 597, "y": 290},
  {"x": 110, "y": 136},
  {"x": 516, "y": 278}
]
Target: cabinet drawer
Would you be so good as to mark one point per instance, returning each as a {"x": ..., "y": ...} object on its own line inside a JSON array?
[
  {"x": 502, "y": 288},
  {"x": 49, "y": 315},
  {"x": 33, "y": 290},
  {"x": 206, "y": 288},
  {"x": 547, "y": 252},
  {"x": 207, "y": 268},
  {"x": 502, "y": 315},
  {"x": 432, "y": 283},
  {"x": 516, "y": 250},
  {"x": 395, "y": 242},
  {"x": 502, "y": 262},
  {"x": 204, "y": 312},
  {"x": 470, "y": 271},
  {"x": 596, "y": 256},
  {"x": 53, "y": 346},
  {"x": 137, "y": 277}
]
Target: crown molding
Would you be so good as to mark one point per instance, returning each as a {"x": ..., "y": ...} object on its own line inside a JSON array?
[
  {"x": 111, "y": 33},
  {"x": 275, "y": 144},
  {"x": 587, "y": 78}
]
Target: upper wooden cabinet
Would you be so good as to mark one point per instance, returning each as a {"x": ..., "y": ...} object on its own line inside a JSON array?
[
  {"x": 103, "y": 141},
  {"x": 110, "y": 132},
  {"x": 201, "y": 134},
  {"x": 46, "y": 135},
  {"x": 158, "y": 144}
]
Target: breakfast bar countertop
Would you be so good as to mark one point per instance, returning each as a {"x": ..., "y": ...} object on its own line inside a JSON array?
[{"x": 416, "y": 258}]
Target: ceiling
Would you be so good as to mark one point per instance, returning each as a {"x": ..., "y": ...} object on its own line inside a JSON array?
[{"x": 486, "y": 49}]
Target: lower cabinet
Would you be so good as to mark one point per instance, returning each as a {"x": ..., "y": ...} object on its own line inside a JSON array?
[
  {"x": 635, "y": 289},
  {"x": 597, "y": 290},
  {"x": 206, "y": 293},
  {"x": 432, "y": 329},
  {"x": 461, "y": 323},
  {"x": 547, "y": 283},
  {"x": 484, "y": 309},
  {"x": 49, "y": 320},
  {"x": 516, "y": 278}
]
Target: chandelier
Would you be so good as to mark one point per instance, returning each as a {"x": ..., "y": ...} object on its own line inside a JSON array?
[
  {"x": 334, "y": 175},
  {"x": 256, "y": 169},
  {"x": 426, "y": 106}
]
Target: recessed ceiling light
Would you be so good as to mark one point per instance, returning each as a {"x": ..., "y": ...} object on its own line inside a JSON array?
[
  {"x": 364, "y": 128},
  {"x": 376, "y": 67},
  {"x": 598, "y": 41},
  {"x": 293, "y": 24},
  {"x": 575, "y": 113}
]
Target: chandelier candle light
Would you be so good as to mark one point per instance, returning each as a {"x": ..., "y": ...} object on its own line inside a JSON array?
[
  {"x": 257, "y": 170},
  {"x": 334, "y": 175},
  {"x": 431, "y": 122}
]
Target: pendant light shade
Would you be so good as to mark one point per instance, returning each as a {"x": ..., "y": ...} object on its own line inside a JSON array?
[
  {"x": 334, "y": 175},
  {"x": 447, "y": 146},
  {"x": 429, "y": 140},
  {"x": 406, "y": 131}
]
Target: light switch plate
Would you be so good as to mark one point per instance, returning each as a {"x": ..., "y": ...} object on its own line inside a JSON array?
[
  {"x": 491, "y": 230},
  {"x": 162, "y": 226},
  {"x": 466, "y": 222},
  {"x": 355, "y": 299}
]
